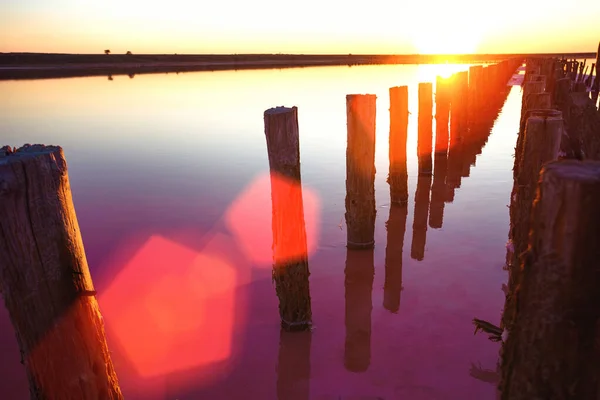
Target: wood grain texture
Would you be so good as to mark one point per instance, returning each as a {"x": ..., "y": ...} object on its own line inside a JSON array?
[
  {"x": 398, "y": 174},
  {"x": 552, "y": 350},
  {"x": 45, "y": 280},
  {"x": 360, "y": 170},
  {"x": 425, "y": 128},
  {"x": 442, "y": 114},
  {"x": 290, "y": 254},
  {"x": 541, "y": 145}
]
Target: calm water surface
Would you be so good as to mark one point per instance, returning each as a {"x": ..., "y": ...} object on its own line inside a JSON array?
[{"x": 169, "y": 180}]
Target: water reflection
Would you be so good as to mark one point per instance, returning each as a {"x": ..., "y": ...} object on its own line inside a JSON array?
[
  {"x": 417, "y": 249},
  {"x": 438, "y": 190},
  {"x": 359, "y": 275},
  {"x": 396, "y": 227},
  {"x": 293, "y": 366}
]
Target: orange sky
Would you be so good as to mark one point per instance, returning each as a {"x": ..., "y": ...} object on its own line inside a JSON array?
[{"x": 308, "y": 26}]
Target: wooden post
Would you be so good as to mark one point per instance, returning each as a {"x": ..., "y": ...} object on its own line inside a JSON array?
[
  {"x": 290, "y": 254},
  {"x": 425, "y": 142},
  {"x": 552, "y": 347},
  {"x": 541, "y": 145},
  {"x": 45, "y": 280},
  {"x": 360, "y": 171},
  {"x": 442, "y": 114},
  {"x": 417, "y": 249},
  {"x": 396, "y": 228},
  {"x": 438, "y": 191},
  {"x": 398, "y": 175},
  {"x": 293, "y": 367},
  {"x": 459, "y": 106},
  {"x": 359, "y": 275},
  {"x": 596, "y": 86},
  {"x": 475, "y": 81}
]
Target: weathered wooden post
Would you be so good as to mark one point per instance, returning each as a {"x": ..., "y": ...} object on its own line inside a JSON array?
[
  {"x": 425, "y": 140},
  {"x": 359, "y": 275},
  {"x": 442, "y": 114},
  {"x": 596, "y": 85},
  {"x": 360, "y": 171},
  {"x": 396, "y": 228},
  {"x": 45, "y": 280},
  {"x": 293, "y": 366},
  {"x": 475, "y": 83},
  {"x": 541, "y": 145},
  {"x": 552, "y": 347},
  {"x": 459, "y": 107},
  {"x": 438, "y": 191},
  {"x": 419, "y": 237},
  {"x": 398, "y": 175},
  {"x": 290, "y": 254}
]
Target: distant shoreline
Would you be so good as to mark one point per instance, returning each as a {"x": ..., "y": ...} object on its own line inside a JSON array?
[{"x": 17, "y": 66}]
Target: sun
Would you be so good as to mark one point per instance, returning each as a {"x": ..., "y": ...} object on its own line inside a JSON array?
[
  {"x": 454, "y": 42},
  {"x": 452, "y": 29}
]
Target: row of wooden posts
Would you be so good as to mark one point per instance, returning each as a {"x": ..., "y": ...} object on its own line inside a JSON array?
[
  {"x": 463, "y": 101},
  {"x": 551, "y": 317},
  {"x": 44, "y": 276}
]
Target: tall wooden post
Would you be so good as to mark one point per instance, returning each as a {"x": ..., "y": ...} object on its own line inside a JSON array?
[
  {"x": 396, "y": 228},
  {"x": 45, "y": 280},
  {"x": 360, "y": 171},
  {"x": 552, "y": 347},
  {"x": 359, "y": 275},
  {"x": 290, "y": 254},
  {"x": 459, "y": 107},
  {"x": 425, "y": 141},
  {"x": 442, "y": 114},
  {"x": 398, "y": 175}
]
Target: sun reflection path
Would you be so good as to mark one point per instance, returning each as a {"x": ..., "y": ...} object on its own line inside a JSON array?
[{"x": 172, "y": 307}]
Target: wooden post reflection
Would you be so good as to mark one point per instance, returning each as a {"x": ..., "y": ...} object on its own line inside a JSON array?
[
  {"x": 293, "y": 366},
  {"x": 396, "y": 227},
  {"x": 438, "y": 190},
  {"x": 417, "y": 250},
  {"x": 454, "y": 168},
  {"x": 359, "y": 274}
]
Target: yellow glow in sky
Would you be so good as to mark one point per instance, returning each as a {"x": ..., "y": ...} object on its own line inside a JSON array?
[{"x": 309, "y": 26}]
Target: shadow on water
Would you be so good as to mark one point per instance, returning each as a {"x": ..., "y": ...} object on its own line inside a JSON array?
[{"x": 359, "y": 274}]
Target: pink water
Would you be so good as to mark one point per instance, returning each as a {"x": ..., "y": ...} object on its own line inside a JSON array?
[{"x": 168, "y": 175}]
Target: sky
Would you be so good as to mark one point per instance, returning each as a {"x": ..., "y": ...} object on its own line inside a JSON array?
[{"x": 306, "y": 26}]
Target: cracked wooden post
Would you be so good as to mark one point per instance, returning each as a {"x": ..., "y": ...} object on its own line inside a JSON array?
[
  {"x": 360, "y": 171},
  {"x": 442, "y": 114},
  {"x": 542, "y": 142},
  {"x": 290, "y": 254},
  {"x": 45, "y": 280},
  {"x": 552, "y": 347},
  {"x": 459, "y": 99},
  {"x": 398, "y": 174},
  {"x": 425, "y": 138}
]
